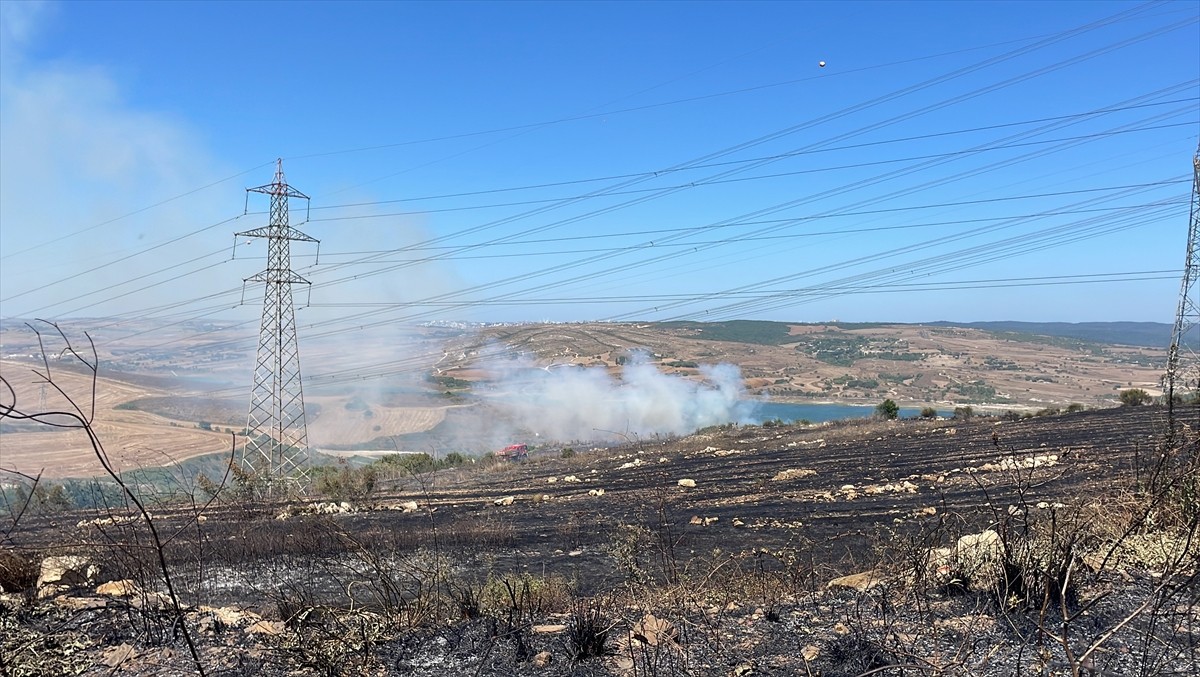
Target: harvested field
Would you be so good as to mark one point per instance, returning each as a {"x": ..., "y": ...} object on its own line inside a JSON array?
[
  {"x": 133, "y": 439},
  {"x": 359, "y": 426}
]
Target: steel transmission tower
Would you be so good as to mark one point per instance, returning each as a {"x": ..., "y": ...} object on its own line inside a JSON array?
[
  {"x": 277, "y": 446},
  {"x": 1183, "y": 359}
]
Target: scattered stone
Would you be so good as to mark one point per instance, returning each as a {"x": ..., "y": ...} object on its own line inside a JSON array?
[
  {"x": 318, "y": 508},
  {"x": 977, "y": 550},
  {"x": 738, "y": 523},
  {"x": 151, "y": 600},
  {"x": 80, "y": 603},
  {"x": 793, "y": 474},
  {"x": 687, "y": 483},
  {"x": 115, "y": 656},
  {"x": 549, "y": 628},
  {"x": 265, "y": 628},
  {"x": 506, "y": 500},
  {"x": 409, "y": 506},
  {"x": 229, "y": 616},
  {"x": 571, "y": 478},
  {"x": 595, "y": 492},
  {"x": 48, "y": 591},
  {"x": 904, "y": 487},
  {"x": 111, "y": 520},
  {"x": 742, "y": 670},
  {"x": 810, "y": 652},
  {"x": 653, "y": 631},
  {"x": 69, "y": 571},
  {"x": 551, "y": 480},
  {"x": 542, "y": 659},
  {"x": 975, "y": 560},
  {"x": 866, "y": 580},
  {"x": 121, "y": 588},
  {"x": 1026, "y": 463}
]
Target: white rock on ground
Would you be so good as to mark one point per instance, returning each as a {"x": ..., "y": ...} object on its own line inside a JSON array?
[{"x": 68, "y": 570}]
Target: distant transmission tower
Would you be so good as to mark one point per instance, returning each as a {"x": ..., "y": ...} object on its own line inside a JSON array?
[
  {"x": 278, "y": 435},
  {"x": 1183, "y": 359}
]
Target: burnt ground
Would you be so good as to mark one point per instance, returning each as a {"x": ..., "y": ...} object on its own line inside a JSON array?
[{"x": 736, "y": 565}]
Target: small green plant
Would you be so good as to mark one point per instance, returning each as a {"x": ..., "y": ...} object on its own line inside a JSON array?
[
  {"x": 963, "y": 413},
  {"x": 929, "y": 412},
  {"x": 567, "y": 452}
]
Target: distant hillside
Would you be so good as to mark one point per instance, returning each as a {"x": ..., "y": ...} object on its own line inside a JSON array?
[
  {"x": 1144, "y": 334},
  {"x": 762, "y": 332}
]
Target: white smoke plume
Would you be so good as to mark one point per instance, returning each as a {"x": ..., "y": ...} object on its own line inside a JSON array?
[{"x": 573, "y": 403}]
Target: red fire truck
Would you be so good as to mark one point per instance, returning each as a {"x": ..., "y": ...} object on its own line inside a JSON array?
[{"x": 513, "y": 452}]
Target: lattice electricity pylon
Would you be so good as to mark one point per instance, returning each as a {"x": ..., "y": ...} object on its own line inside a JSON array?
[
  {"x": 1183, "y": 359},
  {"x": 277, "y": 444}
]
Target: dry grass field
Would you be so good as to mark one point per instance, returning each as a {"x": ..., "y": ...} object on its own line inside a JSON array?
[{"x": 153, "y": 401}]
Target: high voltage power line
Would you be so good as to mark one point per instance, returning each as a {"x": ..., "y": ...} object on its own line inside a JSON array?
[{"x": 459, "y": 298}]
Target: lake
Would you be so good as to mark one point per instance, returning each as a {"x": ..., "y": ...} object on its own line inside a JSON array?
[{"x": 819, "y": 413}]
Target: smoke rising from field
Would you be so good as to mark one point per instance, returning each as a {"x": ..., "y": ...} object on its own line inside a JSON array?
[{"x": 572, "y": 403}]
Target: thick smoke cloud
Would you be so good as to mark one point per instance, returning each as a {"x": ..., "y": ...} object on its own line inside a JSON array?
[{"x": 571, "y": 403}]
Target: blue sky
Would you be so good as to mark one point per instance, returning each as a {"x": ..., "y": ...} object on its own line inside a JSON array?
[{"x": 587, "y": 161}]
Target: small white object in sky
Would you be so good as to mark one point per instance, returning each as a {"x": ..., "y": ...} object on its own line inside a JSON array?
[{"x": 821, "y": 64}]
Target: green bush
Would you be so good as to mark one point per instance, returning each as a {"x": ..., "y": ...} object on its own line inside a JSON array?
[
  {"x": 343, "y": 483},
  {"x": 888, "y": 410},
  {"x": 929, "y": 412},
  {"x": 963, "y": 413},
  {"x": 1135, "y": 397}
]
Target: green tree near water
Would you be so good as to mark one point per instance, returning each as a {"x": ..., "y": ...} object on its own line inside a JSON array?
[{"x": 887, "y": 410}]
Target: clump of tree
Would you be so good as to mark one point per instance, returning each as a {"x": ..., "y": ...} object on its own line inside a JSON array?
[
  {"x": 1135, "y": 397},
  {"x": 887, "y": 410},
  {"x": 416, "y": 464},
  {"x": 929, "y": 412},
  {"x": 963, "y": 413}
]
